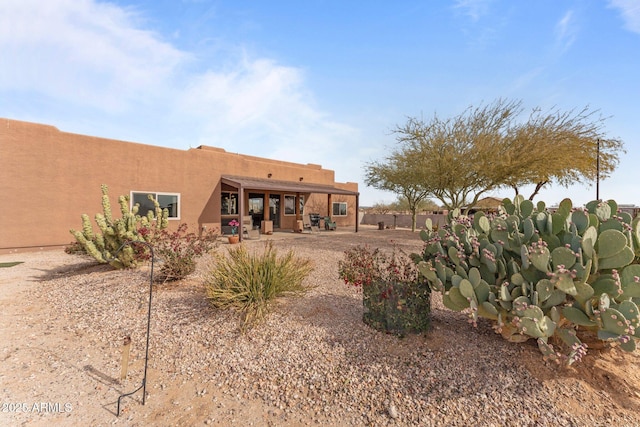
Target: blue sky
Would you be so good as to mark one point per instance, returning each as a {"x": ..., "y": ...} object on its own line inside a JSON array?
[{"x": 320, "y": 82}]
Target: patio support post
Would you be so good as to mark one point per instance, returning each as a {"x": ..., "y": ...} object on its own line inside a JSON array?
[
  {"x": 240, "y": 212},
  {"x": 266, "y": 208}
]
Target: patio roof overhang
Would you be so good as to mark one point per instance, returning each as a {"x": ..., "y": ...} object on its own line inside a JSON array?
[
  {"x": 250, "y": 183},
  {"x": 245, "y": 183}
]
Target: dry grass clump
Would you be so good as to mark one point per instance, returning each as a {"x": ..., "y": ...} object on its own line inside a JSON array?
[{"x": 249, "y": 282}]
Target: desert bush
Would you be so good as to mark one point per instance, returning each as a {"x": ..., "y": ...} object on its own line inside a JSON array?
[
  {"x": 559, "y": 277},
  {"x": 131, "y": 228},
  {"x": 75, "y": 248},
  {"x": 250, "y": 282},
  {"x": 179, "y": 251},
  {"x": 396, "y": 298}
]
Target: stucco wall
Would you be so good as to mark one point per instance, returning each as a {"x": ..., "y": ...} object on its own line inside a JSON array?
[{"x": 48, "y": 178}]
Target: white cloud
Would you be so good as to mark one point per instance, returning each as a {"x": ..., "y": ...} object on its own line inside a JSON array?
[
  {"x": 630, "y": 11},
  {"x": 566, "y": 31},
  {"x": 82, "y": 52},
  {"x": 245, "y": 94},
  {"x": 475, "y": 9},
  {"x": 262, "y": 108}
]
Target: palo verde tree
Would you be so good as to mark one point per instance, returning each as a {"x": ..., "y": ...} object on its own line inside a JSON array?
[
  {"x": 456, "y": 158},
  {"x": 567, "y": 145},
  {"x": 399, "y": 175},
  {"x": 462, "y": 158}
]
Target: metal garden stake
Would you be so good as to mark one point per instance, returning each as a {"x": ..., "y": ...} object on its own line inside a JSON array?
[{"x": 146, "y": 356}]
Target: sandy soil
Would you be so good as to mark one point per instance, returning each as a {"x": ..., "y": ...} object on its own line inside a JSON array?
[{"x": 56, "y": 372}]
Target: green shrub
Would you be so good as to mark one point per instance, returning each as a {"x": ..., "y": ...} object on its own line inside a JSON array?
[
  {"x": 131, "y": 227},
  {"x": 179, "y": 250},
  {"x": 557, "y": 277},
  {"x": 249, "y": 282},
  {"x": 396, "y": 298}
]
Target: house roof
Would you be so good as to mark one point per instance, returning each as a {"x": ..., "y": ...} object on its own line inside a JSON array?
[
  {"x": 488, "y": 202},
  {"x": 285, "y": 186}
]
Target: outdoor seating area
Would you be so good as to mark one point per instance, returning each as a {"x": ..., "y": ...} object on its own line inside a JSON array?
[{"x": 313, "y": 222}]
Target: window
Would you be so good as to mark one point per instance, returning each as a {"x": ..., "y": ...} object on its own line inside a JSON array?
[
  {"x": 229, "y": 203},
  {"x": 290, "y": 204},
  {"x": 339, "y": 209},
  {"x": 168, "y": 201}
]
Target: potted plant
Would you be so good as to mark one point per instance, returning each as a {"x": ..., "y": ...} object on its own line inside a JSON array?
[{"x": 234, "y": 238}]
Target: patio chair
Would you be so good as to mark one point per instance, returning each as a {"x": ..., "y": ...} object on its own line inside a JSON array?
[
  {"x": 247, "y": 228},
  {"x": 247, "y": 224},
  {"x": 307, "y": 224},
  {"x": 328, "y": 224}
]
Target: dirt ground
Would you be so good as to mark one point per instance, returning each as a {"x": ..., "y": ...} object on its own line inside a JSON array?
[{"x": 50, "y": 374}]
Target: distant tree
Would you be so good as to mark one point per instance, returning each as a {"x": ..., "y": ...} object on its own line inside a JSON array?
[
  {"x": 401, "y": 204},
  {"x": 458, "y": 160},
  {"x": 429, "y": 206},
  {"x": 381, "y": 208},
  {"x": 399, "y": 175}
]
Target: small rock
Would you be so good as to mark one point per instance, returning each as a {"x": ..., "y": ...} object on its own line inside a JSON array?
[{"x": 393, "y": 412}]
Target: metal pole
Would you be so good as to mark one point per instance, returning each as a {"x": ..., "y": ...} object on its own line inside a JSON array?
[
  {"x": 598, "y": 169},
  {"x": 146, "y": 356}
]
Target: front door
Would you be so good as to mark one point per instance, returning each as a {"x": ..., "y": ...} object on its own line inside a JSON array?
[{"x": 274, "y": 209}]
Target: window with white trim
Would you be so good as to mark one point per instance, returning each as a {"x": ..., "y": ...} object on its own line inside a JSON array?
[
  {"x": 168, "y": 201},
  {"x": 339, "y": 209},
  {"x": 290, "y": 204}
]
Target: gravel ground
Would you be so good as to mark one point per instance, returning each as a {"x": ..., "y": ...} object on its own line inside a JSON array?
[{"x": 312, "y": 362}]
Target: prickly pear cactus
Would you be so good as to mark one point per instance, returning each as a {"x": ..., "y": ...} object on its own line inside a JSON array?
[
  {"x": 551, "y": 276},
  {"x": 131, "y": 227}
]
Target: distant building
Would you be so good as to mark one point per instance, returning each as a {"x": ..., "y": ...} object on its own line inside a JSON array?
[
  {"x": 488, "y": 204},
  {"x": 48, "y": 178},
  {"x": 632, "y": 210}
]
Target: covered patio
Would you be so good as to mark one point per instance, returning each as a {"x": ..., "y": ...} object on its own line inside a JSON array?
[{"x": 254, "y": 192}]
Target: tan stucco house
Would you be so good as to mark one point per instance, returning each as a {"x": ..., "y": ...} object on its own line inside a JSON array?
[{"x": 48, "y": 178}]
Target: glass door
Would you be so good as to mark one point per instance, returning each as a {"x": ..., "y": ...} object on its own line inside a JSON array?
[
  {"x": 256, "y": 208},
  {"x": 274, "y": 209}
]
